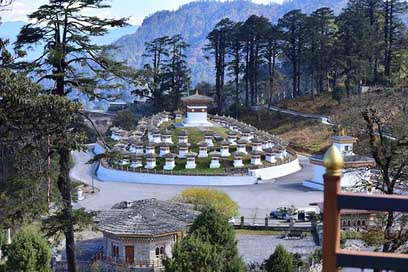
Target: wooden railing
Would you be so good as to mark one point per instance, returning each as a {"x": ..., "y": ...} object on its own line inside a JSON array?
[{"x": 334, "y": 258}]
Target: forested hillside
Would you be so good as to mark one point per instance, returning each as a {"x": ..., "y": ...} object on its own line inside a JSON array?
[{"x": 195, "y": 20}]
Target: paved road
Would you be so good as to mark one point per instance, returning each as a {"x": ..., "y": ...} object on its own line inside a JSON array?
[
  {"x": 324, "y": 119},
  {"x": 253, "y": 200}
]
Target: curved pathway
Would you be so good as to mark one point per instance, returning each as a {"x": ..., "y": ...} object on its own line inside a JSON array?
[
  {"x": 253, "y": 200},
  {"x": 324, "y": 119}
]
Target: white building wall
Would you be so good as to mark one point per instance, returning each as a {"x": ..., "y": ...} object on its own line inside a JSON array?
[
  {"x": 345, "y": 148},
  {"x": 277, "y": 171},
  {"x": 349, "y": 177},
  {"x": 196, "y": 118}
]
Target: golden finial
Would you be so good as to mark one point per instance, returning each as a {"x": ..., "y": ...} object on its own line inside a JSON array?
[
  {"x": 333, "y": 161},
  {"x": 197, "y": 92},
  {"x": 343, "y": 132}
]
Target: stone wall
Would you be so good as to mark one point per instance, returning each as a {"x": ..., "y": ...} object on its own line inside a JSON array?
[{"x": 144, "y": 248}]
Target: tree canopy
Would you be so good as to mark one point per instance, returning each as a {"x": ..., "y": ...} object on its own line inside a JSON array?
[
  {"x": 212, "y": 233},
  {"x": 281, "y": 260}
]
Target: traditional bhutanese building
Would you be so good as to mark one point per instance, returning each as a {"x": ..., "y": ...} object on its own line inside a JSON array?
[
  {"x": 355, "y": 166},
  {"x": 196, "y": 108},
  {"x": 142, "y": 233}
]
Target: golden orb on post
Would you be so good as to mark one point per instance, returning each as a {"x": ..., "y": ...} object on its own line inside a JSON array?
[{"x": 333, "y": 161}]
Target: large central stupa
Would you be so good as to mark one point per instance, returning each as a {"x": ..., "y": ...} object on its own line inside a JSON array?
[{"x": 196, "y": 108}]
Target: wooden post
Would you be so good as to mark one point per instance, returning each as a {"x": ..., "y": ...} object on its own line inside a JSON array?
[
  {"x": 333, "y": 161},
  {"x": 242, "y": 221},
  {"x": 266, "y": 221},
  {"x": 331, "y": 223}
]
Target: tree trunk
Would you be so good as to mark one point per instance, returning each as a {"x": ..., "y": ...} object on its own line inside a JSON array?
[
  {"x": 294, "y": 81},
  {"x": 64, "y": 186},
  {"x": 247, "y": 78}
]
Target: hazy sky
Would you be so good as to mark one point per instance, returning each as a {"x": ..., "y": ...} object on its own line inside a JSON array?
[{"x": 137, "y": 10}]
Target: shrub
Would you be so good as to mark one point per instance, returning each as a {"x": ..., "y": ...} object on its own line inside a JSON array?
[
  {"x": 203, "y": 198},
  {"x": 125, "y": 119},
  {"x": 29, "y": 252},
  {"x": 281, "y": 260}
]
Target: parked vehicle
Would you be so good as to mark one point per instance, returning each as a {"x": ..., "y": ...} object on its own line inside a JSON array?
[
  {"x": 303, "y": 214},
  {"x": 282, "y": 213}
]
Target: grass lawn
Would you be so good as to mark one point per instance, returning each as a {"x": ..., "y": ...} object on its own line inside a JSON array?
[
  {"x": 203, "y": 167},
  {"x": 222, "y": 131},
  {"x": 194, "y": 135}
]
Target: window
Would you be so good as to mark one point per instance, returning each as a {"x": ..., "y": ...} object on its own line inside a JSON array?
[
  {"x": 344, "y": 223},
  {"x": 363, "y": 223},
  {"x": 358, "y": 223},
  {"x": 348, "y": 223},
  {"x": 115, "y": 251},
  {"x": 162, "y": 251},
  {"x": 157, "y": 252}
]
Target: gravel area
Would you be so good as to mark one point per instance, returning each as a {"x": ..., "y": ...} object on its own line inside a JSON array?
[{"x": 257, "y": 248}]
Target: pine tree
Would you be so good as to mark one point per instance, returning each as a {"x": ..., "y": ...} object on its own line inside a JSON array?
[
  {"x": 176, "y": 78},
  {"x": 209, "y": 246},
  {"x": 292, "y": 26},
  {"x": 321, "y": 37},
  {"x": 254, "y": 32},
  {"x": 270, "y": 53},
  {"x": 65, "y": 30},
  {"x": 392, "y": 10},
  {"x": 235, "y": 46},
  {"x": 218, "y": 43},
  {"x": 149, "y": 79}
]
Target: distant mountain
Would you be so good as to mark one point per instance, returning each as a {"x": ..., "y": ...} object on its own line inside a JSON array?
[
  {"x": 9, "y": 30},
  {"x": 195, "y": 20}
]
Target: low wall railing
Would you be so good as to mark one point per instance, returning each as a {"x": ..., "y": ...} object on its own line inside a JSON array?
[
  {"x": 266, "y": 223},
  {"x": 120, "y": 263}
]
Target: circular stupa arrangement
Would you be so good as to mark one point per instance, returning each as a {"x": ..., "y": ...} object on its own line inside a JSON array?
[{"x": 196, "y": 149}]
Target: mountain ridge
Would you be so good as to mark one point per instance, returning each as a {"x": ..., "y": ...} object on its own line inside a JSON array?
[{"x": 195, "y": 20}]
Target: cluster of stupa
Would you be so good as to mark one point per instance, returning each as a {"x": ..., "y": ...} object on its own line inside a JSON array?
[{"x": 147, "y": 142}]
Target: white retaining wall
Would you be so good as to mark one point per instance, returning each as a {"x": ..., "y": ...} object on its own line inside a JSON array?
[
  {"x": 277, "y": 171},
  {"x": 98, "y": 149},
  {"x": 108, "y": 174}
]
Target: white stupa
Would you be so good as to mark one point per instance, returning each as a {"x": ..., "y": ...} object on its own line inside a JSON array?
[{"x": 196, "y": 108}]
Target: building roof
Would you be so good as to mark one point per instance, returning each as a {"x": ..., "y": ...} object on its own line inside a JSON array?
[
  {"x": 350, "y": 161},
  {"x": 215, "y": 154},
  {"x": 196, "y": 99},
  {"x": 169, "y": 156},
  {"x": 185, "y": 145},
  {"x": 343, "y": 139},
  {"x": 242, "y": 142},
  {"x": 149, "y": 217},
  {"x": 183, "y": 133},
  {"x": 238, "y": 154}
]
